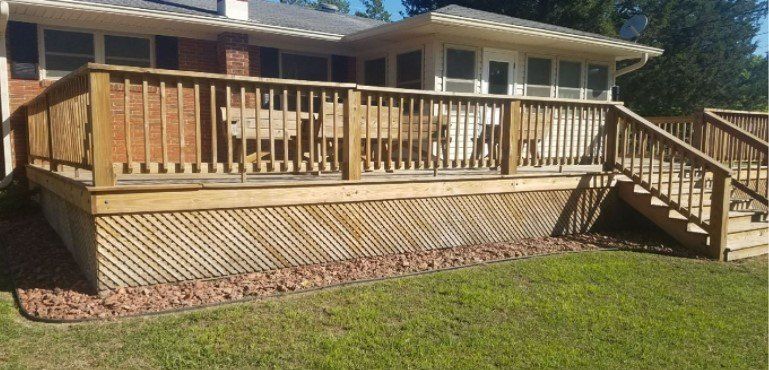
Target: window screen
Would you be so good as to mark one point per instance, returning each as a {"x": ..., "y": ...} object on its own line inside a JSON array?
[
  {"x": 375, "y": 71},
  {"x": 569, "y": 79},
  {"x": 127, "y": 51},
  {"x": 303, "y": 67},
  {"x": 460, "y": 70},
  {"x": 409, "y": 70},
  {"x": 66, "y": 51},
  {"x": 538, "y": 77},
  {"x": 597, "y": 82}
]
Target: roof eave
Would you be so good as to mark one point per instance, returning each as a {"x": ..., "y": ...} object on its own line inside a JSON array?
[
  {"x": 451, "y": 20},
  {"x": 223, "y": 23}
]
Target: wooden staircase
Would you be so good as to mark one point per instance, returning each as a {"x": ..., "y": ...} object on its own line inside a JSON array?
[
  {"x": 712, "y": 200},
  {"x": 748, "y": 228}
]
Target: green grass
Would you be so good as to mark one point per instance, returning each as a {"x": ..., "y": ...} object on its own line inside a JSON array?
[{"x": 606, "y": 309}]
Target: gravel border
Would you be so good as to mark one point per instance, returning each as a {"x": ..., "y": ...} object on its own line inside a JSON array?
[{"x": 49, "y": 287}]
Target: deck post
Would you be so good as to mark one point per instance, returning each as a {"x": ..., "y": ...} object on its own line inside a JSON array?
[
  {"x": 612, "y": 121},
  {"x": 351, "y": 141},
  {"x": 52, "y": 165},
  {"x": 719, "y": 215},
  {"x": 100, "y": 117},
  {"x": 511, "y": 131},
  {"x": 698, "y": 130}
]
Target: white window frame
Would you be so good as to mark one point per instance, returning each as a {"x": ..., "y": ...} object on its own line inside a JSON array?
[
  {"x": 446, "y": 79},
  {"x": 608, "y": 78},
  {"x": 375, "y": 57},
  {"x": 98, "y": 48},
  {"x": 327, "y": 57},
  {"x": 553, "y": 77},
  {"x": 421, "y": 50},
  {"x": 508, "y": 56},
  {"x": 582, "y": 79}
]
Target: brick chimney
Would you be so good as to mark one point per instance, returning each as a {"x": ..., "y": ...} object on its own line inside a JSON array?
[{"x": 235, "y": 9}]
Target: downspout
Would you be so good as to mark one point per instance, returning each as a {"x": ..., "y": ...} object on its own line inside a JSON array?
[
  {"x": 634, "y": 66},
  {"x": 5, "y": 105}
]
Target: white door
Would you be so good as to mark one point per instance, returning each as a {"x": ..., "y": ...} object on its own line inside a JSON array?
[{"x": 498, "y": 72}]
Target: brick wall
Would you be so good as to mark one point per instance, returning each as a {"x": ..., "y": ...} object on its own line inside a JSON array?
[
  {"x": 233, "y": 51},
  {"x": 198, "y": 55},
  {"x": 21, "y": 91}
]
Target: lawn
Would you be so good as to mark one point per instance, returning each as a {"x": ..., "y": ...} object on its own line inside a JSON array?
[{"x": 604, "y": 309}]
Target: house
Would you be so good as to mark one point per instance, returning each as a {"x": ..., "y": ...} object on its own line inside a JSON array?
[
  {"x": 185, "y": 139},
  {"x": 451, "y": 49}
]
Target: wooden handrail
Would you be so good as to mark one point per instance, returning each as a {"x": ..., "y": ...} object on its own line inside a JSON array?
[
  {"x": 731, "y": 144},
  {"x": 752, "y": 113},
  {"x": 715, "y": 165},
  {"x": 676, "y": 173},
  {"x": 733, "y": 130}
]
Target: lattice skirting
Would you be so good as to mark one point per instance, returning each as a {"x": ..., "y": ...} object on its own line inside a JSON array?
[{"x": 152, "y": 248}]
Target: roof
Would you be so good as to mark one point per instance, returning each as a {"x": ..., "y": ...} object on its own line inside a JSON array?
[
  {"x": 260, "y": 12},
  {"x": 294, "y": 20},
  {"x": 461, "y": 11}
]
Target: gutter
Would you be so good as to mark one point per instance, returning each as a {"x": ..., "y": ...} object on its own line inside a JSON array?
[
  {"x": 5, "y": 103},
  {"x": 635, "y": 66}
]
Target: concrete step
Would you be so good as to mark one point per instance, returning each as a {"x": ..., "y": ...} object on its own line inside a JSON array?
[{"x": 748, "y": 247}]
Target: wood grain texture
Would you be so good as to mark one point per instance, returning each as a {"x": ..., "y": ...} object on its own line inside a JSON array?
[
  {"x": 151, "y": 248},
  {"x": 77, "y": 230}
]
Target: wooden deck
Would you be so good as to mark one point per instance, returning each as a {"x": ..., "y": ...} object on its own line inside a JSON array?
[{"x": 153, "y": 176}]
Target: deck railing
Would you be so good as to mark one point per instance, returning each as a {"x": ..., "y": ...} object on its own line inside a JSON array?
[
  {"x": 739, "y": 150},
  {"x": 675, "y": 172},
  {"x": 682, "y": 127},
  {"x": 115, "y": 120},
  {"x": 58, "y": 124},
  {"x": 754, "y": 123}
]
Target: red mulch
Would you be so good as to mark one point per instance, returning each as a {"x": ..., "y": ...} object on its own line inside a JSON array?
[{"x": 50, "y": 286}]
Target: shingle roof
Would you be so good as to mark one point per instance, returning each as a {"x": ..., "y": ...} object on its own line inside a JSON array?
[
  {"x": 261, "y": 12},
  {"x": 461, "y": 11},
  {"x": 297, "y": 17}
]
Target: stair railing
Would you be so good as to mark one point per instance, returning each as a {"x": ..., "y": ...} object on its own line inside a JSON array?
[
  {"x": 738, "y": 149},
  {"x": 685, "y": 178}
]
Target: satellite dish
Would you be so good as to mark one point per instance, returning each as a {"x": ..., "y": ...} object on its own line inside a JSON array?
[{"x": 633, "y": 27}]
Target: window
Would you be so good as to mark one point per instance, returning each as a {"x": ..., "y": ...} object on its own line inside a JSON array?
[
  {"x": 303, "y": 67},
  {"x": 569, "y": 79},
  {"x": 539, "y": 77},
  {"x": 460, "y": 70},
  {"x": 67, "y": 51},
  {"x": 409, "y": 70},
  {"x": 127, "y": 51},
  {"x": 499, "y": 78},
  {"x": 375, "y": 72},
  {"x": 64, "y": 51},
  {"x": 597, "y": 82}
]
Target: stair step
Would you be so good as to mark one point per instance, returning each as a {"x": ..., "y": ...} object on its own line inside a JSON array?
[
  {"x": 748, "y": 230},
  {"x": 748, "y": 247},
  {"x": 735, "y": 217}
]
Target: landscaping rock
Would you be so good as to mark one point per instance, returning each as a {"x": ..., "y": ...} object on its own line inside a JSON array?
[{"x": 50, "y": 286}]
